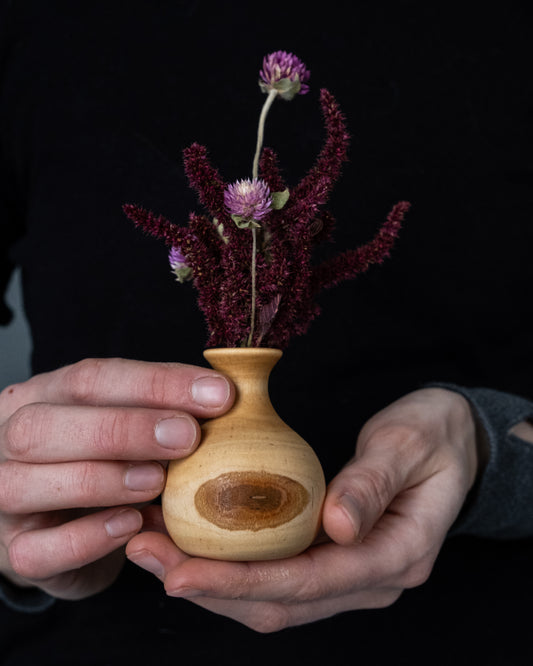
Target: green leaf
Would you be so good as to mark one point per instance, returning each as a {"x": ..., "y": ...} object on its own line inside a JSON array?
[
  {"x": 244, "y": 222},
  {"x": 279, "y": 199}
]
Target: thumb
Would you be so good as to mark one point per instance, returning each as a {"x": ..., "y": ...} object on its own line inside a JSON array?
[{"x": 360, "y": 494}]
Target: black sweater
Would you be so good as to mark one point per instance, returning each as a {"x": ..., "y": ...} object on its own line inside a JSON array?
[{"x": 98, "y": 99}]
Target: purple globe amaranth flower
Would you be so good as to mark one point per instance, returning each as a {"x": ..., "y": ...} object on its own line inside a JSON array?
[
  {"x": 248, "y": 201},
  {"x": 176, "y": 258},
  {"x": 285, "y": 73},
  {"x": 179, "y": 265}
]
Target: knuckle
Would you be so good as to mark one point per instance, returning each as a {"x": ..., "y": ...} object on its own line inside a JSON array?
[
  {"x": 9, "y": 489},
  {"x": 112, "y": 433},
  {"x": 33, "y": 563},
  {"x": 85, "y": 481},
  {"x": 74, "y": 547},
  {"x": 269, "y": 619},
  {"x": 416, "y": 558},
  {"x": 310, "y": 588},
  {"x": 385, "y": 599},
  {"x": 418, "y": 573},
  {"x": 80, "y": 379},
  {"x": 21, "y": 558},
  {"x": 160, "y": 384},
  {"x": 376, "y": 485},
  {"x": 403, "y": 435},
  {"x": 237, "y": 586}
]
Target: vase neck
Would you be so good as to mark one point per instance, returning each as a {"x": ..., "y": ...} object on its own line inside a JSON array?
[{"x": 249, "y": 368}]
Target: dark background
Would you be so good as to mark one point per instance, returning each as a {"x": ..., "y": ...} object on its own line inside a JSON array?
[{"x": 98, "y": 101}]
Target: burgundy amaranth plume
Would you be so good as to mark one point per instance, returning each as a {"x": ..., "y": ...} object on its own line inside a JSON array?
[{"x": 250, "y": 257}]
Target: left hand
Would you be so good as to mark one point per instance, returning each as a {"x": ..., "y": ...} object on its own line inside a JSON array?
[{"x": 386, "y": 515}]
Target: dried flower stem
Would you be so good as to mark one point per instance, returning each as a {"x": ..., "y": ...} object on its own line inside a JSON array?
[
  {"x": 255, "y": 172},
  {"x": 254, "y": 295},
  {"x": 261, "y": 130}
]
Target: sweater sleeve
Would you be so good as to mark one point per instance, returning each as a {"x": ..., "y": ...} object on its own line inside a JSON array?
[{"x": 500, "y": 505}]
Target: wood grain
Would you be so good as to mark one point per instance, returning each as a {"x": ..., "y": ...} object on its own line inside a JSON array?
[{"x": 250, "y": 500}]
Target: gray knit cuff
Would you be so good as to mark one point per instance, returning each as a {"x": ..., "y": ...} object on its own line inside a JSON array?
[
  {"x": 500, "y": 505},
  {"x": 25, "y": 599}
]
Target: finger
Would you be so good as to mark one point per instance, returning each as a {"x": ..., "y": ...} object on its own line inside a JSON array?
[
  {"x": 40, "y": 554},
  {"x": 325, "y": 571},
  {"x": 42, "y": 433},
  {"x": 87, "y": 580},
  {"x": 268, "y": 617},
  {"x": 156, "y": 553},
  {"x": 398, "y": 553},
  {"x": 359, "y": 495},
  {"x": 198, "y": 391},
  {"x": 28, "y": 489}
]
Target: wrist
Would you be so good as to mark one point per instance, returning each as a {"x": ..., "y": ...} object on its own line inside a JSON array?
[{"x": 464, "y": 432}]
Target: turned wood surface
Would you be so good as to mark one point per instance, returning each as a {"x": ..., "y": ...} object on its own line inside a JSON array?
[
  {"x": 250, "y": 500},
  {"x": 254, "y": 488}
]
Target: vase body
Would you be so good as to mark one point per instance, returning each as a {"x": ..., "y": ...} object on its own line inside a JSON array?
[{"x": 254, "y": 488}]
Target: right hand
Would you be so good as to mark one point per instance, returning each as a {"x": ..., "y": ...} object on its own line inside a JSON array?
[{"x": 81, "y": 448}]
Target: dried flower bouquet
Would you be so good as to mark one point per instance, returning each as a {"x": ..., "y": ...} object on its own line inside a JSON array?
[{"x": 251, "y": 256}]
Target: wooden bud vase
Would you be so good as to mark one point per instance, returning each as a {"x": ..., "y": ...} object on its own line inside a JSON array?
[{"x": 253, "y": 490}]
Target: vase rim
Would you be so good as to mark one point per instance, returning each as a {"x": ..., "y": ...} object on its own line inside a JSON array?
[{"x": 263, "y": 351}]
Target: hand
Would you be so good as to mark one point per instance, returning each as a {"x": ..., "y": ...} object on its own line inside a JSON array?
[
  {"x": 386, "y": 515},
  {"x": 79, "y": 452}
]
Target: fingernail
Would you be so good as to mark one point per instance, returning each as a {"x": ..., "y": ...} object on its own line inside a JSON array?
[
  {"x": 350, "y": 509},
  {"x": 144, "y": 477},
  {"x": 149, "y": 562},
  {"x": 186, "y": 592},
  {"x": 210, "y": 391},
  {"x": 123, "y": 523},
  {"x": 176, "y": 433}
]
